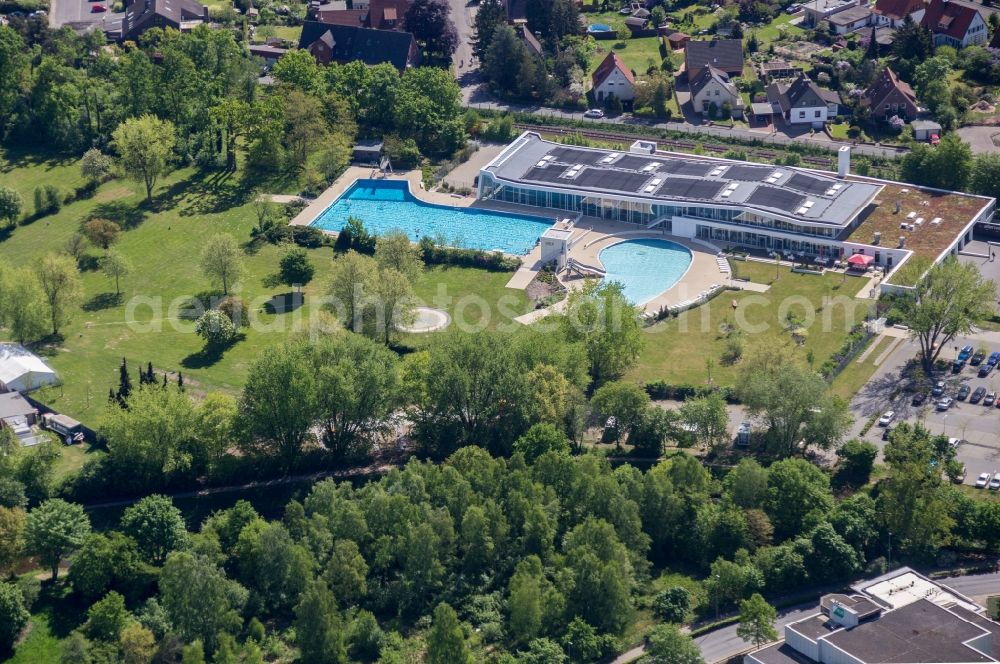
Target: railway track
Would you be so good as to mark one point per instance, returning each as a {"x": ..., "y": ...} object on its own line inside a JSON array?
[{"x": 670, "y": 144}]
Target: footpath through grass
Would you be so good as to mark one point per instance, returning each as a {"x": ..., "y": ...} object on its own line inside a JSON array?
[{"x": 678, "y": 349}]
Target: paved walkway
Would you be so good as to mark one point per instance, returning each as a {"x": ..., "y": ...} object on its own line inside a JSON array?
[{"x": 344, "y": 182}]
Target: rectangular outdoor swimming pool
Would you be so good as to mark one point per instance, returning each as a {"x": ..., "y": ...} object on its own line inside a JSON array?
[{"x": 385, "y": 205}]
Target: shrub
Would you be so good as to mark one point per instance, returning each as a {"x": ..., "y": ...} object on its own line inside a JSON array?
[
  {"x": 215, "y": 328},
  {"x": 235, "y": 308},
  {"x": 493, "y": 261},
  {"x": 403, "y": 153}
]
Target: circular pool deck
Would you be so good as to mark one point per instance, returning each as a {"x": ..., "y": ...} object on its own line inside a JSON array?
[
  {"x": 426, "y": 320},
  {"x": 702, "y": 274}
]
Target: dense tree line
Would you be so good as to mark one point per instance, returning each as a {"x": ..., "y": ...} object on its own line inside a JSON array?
[
  {"x": 479, "y": 551},
  {"x": 200, "y": 102}
]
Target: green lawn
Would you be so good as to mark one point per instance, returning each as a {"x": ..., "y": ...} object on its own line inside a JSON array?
[
  {"x": 164, "y": 245},
  {"x": 40, "y": 646},
  {"x": 856, "y": 374},
  {"x": 637, "y": 54},
  {"x": 676, "y": 350},
  {"x": 772, "y": 31}
]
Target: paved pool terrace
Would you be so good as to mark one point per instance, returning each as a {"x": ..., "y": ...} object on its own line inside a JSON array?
[{"x": 591, "y": 236}]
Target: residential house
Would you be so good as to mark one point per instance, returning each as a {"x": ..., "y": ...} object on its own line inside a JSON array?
[
  {"x": 889, "y": 96},
  {"x": 995, "y": 42},
  {"x": 954, "y": 24},
  {"x": 337, "y": 16},
  {"x": 530, "y": 40},
  {"x": 817, "y": 11},
  {"x": 270, "y": 54},
  {"x": 803, "y": 102},
  {"x": 141, "y": 15},
  {"x": 892, "y": 13},
  {"x": 850, "y": 20},
  {"x": 723, "y": 54},
  {"x": 343, "y": 43},
  {"x": 612, "y": 77},
  {"x": 515, "y": 11},
  {"x": 387, "y": 14},
  {"x": 712, "y": 86}
]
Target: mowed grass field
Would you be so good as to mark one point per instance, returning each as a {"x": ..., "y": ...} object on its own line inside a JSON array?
[
  {"x": 164, "y": 244},
  {"x": 677, "y": 350}
]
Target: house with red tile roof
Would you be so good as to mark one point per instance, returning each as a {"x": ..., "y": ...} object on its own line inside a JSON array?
[
  {"x": 892, "y": 13},
  {"x": 387, "y": 14},
  {"x": 612, "y": 77},
  {"x": 889, "y": 96},
  {"x": 954, "y": 24}
]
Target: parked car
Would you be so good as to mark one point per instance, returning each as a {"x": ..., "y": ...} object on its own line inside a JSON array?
[
  {"x": 963, "y": 392},
  {"x": 97, "y": 9},
  {"x": 887, "y": 432},
  {"x": 965, "y": 353},
  {"x": 938, "y": 389},
  {"x": 887, "y": 418},
  {"x": 594, "y": 113},
  {"x": 945, "y": 403},
  {"x": 957, "y": 366},
  {"x": 978, "y": 358},
  {"x": 990, "y": 399},
  {"x": 983, "y": 480},
  {"x": 955, "y": 442},
  {"x": 935, "y": 139},
  {"x": 993, "y": 358},
  {"x": 919, "y": 398},
  {"x": 958, "y": 479},
  {"x": 984, "y": 369},
  {"x": 994, "y": 484},
  {"x": 977, "y": 395}
]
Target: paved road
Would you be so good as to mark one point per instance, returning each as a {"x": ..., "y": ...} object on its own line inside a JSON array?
[{"x": 723, "y": 643}]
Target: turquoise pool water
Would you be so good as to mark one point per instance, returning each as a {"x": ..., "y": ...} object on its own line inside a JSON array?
[
  {"x": 384, "y": 205},
  {"x": 599, "y": 27},
  {"x": 645, "y": 267}
]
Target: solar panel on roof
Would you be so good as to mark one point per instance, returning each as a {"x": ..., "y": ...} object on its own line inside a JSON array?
[
  {"x": 807, "y": 184},
  {"x": 747, "y": 173},
  {"x": 690, "y": 188},
  {"x": 778, "y": 199},
  {"x": 635, "y": 162},
  {"x": 694, "y": 169},
  {"x": 576, "y": 156},
  {"x": 613, "y": 180}
]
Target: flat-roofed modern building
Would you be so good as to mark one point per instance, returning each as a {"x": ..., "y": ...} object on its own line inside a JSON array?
[
  {"x": 736, "y": 203},
  {"x": 902, "y": 617}
]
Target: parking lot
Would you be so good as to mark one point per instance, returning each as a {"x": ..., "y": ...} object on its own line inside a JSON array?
[{"x": 978, "y": 425}]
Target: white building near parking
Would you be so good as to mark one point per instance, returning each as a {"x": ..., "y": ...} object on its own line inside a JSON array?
[{"x": 744, "y": 204}]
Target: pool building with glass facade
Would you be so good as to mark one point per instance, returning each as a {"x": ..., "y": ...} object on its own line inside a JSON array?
[{"x": 737, "y": 203}]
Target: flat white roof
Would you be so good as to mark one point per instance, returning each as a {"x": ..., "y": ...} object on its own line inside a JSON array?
[{"x": 909, "y": 587}]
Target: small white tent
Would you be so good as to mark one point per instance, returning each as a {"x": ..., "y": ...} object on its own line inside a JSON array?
[{"x": 23, "y": 371}]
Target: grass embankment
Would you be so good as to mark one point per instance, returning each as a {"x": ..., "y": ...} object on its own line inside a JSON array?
[
  {"x": 677, "y": 349},
  {"x": 163, "y": 242},
  {"x": 856, "y": 374}
]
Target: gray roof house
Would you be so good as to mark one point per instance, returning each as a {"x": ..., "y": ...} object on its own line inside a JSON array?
[{"x": 803, "y": 101}]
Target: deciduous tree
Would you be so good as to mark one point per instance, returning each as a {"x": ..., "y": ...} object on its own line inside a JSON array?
[
  {"x": 319, "y": 628},
  {"x": 60, "y": 281},
  {"x": 115, "y": 266},
  {"x": 11, "y": 204},
  {"x": 757, "y": 621},
  {"x": 54, "y": 530},
  {"x": 446, "y": 640},
  {"x": 145, "y": 145},
  {"x": 222, "y": 259},
  {"x": 156, "y": 526},
  {"x": 948, "y": 302},
  {"x": 430, "y": 22}
]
